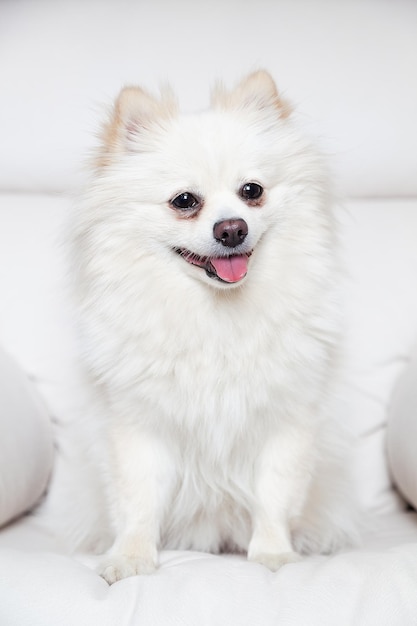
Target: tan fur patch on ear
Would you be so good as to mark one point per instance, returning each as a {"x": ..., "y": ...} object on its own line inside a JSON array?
[
  {"x": 133, "y": 110},
  {"x": 256, "y": 90}
]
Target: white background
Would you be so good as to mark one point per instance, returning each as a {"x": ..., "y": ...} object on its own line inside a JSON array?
[{"x": 350, "y": 67}]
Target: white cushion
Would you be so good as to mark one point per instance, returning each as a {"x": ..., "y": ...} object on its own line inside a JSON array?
[
  {"x": 40, "y": 585},
  {"x": 378, "y": 240},
  {"x": 402, "y": 432},
  {"x": 25, "y": 442}
]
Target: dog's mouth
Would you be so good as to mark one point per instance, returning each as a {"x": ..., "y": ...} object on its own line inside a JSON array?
[{"x": 228, "y": 269}]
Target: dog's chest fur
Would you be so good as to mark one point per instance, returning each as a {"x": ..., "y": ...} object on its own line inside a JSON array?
[
  {"x": 212, "y": 385},
  {"x": 200, "y": 345},
  {"x": 214, "y": 369}
]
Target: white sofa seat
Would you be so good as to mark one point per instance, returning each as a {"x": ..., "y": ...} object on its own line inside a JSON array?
[{"x": 372, "y": 586}]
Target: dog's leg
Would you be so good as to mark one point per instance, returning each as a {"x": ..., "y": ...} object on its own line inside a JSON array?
[
  {"x": 143, "y": 479},
  {"x": 282, "y": 479}
]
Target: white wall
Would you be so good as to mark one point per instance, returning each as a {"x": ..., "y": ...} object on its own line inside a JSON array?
[{"x": 350, "y": 66}]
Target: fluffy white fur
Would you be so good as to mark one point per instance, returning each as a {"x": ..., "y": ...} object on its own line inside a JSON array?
[{"x": 212, "y": 392}]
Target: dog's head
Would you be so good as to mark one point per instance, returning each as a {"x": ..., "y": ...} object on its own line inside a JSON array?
[{"x": 201, "y": 192}]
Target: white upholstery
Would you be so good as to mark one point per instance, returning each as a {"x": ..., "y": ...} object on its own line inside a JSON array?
[
  {"x": 378, "y": 240},
  {"x": 26, "y": 445},
  {"x": 373, "y": 587},
  {"x": 350, "y": 67},
  {"x": 402, "y": 432}
]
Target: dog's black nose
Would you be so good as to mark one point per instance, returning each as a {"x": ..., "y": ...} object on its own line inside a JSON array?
[{"x": 231, "y": 232}]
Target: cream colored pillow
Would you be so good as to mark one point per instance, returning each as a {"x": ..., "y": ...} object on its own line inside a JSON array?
[
  {"x": 26, "y": 445},
  {"x": 402, "y": 432}
]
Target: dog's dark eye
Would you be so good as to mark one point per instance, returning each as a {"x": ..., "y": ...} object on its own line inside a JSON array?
[
  {"x": 185, "y": 201},
  {"x": 251, "y": 191}
]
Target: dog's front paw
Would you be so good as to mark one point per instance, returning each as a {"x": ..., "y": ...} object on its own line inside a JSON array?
[
  {"x": 275, "y": 561},
  {"x": 117, "y": 567}
]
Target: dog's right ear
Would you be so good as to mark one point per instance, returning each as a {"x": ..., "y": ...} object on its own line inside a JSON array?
[
  {"x": 134, "y": 112},
  {"x": 256, "y": 91}
]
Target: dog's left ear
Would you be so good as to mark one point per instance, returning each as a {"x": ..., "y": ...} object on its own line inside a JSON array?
[
  {"x": 258, "y": 90},
  {"x": 135, "y": 111}
]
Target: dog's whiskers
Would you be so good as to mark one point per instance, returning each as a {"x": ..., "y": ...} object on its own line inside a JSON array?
[{"x": 191, "y": 257}]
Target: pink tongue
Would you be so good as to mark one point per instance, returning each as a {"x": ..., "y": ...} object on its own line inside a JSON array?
[{"x": 231, "y": 269}]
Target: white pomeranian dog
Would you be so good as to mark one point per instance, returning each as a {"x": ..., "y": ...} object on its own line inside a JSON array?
[{"x": 206, "y": 275}]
